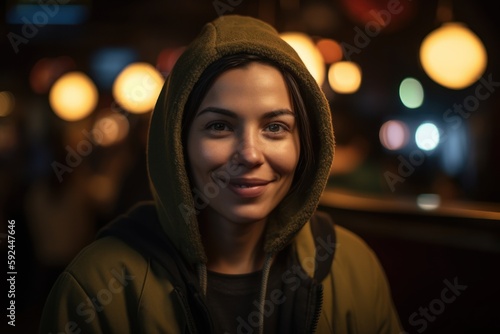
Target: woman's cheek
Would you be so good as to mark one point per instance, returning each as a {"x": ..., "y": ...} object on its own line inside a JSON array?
[
  {"x": 212, "y": 154},
  {"x": 284, "y": 157}
]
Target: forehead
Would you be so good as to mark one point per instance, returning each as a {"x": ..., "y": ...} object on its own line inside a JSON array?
[{"x": 254, "y": 81}]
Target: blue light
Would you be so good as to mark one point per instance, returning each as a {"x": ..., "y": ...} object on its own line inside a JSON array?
[
  {"x": 455, "y": 150},
  {"x": 47, "y": 14},
  {"x": 427, "y": 136},
  {"x": 107, "y": 63}
]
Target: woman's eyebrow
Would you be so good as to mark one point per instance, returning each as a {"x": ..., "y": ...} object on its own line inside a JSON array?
[
  {"x": 216, "y": 110},
  {"x": 279, "y": 112},
  {"x": 232, "y": 114}
]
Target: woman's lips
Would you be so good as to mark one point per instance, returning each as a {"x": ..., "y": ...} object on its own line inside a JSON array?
[{"x": 248, "y": 188}]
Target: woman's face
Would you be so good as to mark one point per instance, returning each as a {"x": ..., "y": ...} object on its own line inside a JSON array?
[{"x": 243, "y": 144}]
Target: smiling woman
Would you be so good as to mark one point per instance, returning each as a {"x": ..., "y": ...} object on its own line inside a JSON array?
[
  {"x": 239, "y": 152},
  {"x": 245, "y": 121}
]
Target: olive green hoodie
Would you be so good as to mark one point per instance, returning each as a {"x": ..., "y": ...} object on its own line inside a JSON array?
[
  {"x": 225, "y": 36},
  {"x": 114, "y": 287}
]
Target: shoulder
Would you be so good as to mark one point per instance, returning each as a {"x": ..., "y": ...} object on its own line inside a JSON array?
[
  {"x": 350, "y": 243},
  {"x": 106, "y": 253},
  {"x": 354, "y": 256},
  {"x": 107, "y": 261}
]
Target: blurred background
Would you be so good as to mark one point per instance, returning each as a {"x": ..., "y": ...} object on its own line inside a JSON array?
[{"x": 413, "y": 87}]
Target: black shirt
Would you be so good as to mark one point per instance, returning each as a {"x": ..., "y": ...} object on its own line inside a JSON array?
[{"x": 233, "y": 301}]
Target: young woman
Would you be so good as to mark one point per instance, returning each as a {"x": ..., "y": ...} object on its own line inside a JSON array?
[{"x": 240, "y": 148}]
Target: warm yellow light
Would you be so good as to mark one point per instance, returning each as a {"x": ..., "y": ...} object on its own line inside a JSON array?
[
  {"x": 137, "y": 87},
  {"x": 453, "y": 56},
  {"x": 110, "y": 129},
  {"x": 73, "y": 96},
  {"x": 308, "y": 52},
  {"x": 344, "y": 77}
]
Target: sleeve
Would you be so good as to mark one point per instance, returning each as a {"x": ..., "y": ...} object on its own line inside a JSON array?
[
  {"x": 68, "y": 309},
  {"x": 386, "y": 315},
  {"x": 97, "y": 293},
  {"x": 360, "y": 291}
]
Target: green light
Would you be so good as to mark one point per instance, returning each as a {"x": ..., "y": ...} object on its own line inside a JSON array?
[{"x": 411, "y": 93}]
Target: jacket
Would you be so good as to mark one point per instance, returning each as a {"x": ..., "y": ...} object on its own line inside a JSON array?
[{"x": 146, "y": 272}]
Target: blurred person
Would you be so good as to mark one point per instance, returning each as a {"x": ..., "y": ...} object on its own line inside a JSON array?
[{"x": 239, "y": 151}]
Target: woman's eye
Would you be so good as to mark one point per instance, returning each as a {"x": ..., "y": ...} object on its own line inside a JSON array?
[
  {"x": 276, "y": 128},
  {"x": 218, "y": 126}
]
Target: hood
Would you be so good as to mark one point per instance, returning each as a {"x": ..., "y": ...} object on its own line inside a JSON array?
[{"x": 170, "y": 184}]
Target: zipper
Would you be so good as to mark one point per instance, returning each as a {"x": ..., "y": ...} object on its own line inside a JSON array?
[
  {"x": 317, "y": 295},
  {"x": 186, "y": 310},
  {"x": 208, "y": 326}
]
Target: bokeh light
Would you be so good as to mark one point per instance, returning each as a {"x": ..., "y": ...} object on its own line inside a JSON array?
[
  {"x": 137, "y": 87},
  {"x": 110, "y": 129},
  {"x": 344, "y": 77},
  {"x": 455, "y": 153},
  {"x": 380, "y": 13},
  {"x": 7, "y": 103},
  {"x": 394, "y": 135},
  {"x": 330, "y": 50},
  {"x": 411, "y": 93},
  {"x": 47, "y": 70},
  {"x": 427, "y": 136},
  {"x": 167, "y": 59},
  {"x": 106, "y": 63},
  {"x": 453, "y": 56},
  {"x": 308, "y": 52},
  {"x": 73, "y": 96},
  {"x": 428, "y": 202}
]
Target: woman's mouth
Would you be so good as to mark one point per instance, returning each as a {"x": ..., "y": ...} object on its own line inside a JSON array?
[{"x": 248, "y": 188}]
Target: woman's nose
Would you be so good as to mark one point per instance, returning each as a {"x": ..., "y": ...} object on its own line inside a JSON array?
[{"x": 249, "y": 152}]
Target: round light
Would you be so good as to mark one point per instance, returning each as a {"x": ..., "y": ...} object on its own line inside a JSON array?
[
  {"x": 73, "y": 96},
  {"x": 394, "y": 135},
  {"x": 308, "y": 52},
  {"x": 344, "y": 77},
  {"x": 330, "y": 50},
  {"x": 453, "y": 56},
  {"x": 427, "y": 136},
  {"x": 137, "y": 87},
  {"x": 110, "y": 129},
  {"x": 411, "y": 93}
]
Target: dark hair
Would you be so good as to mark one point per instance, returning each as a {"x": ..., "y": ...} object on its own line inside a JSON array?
[{"x": 306, "y": 161}]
